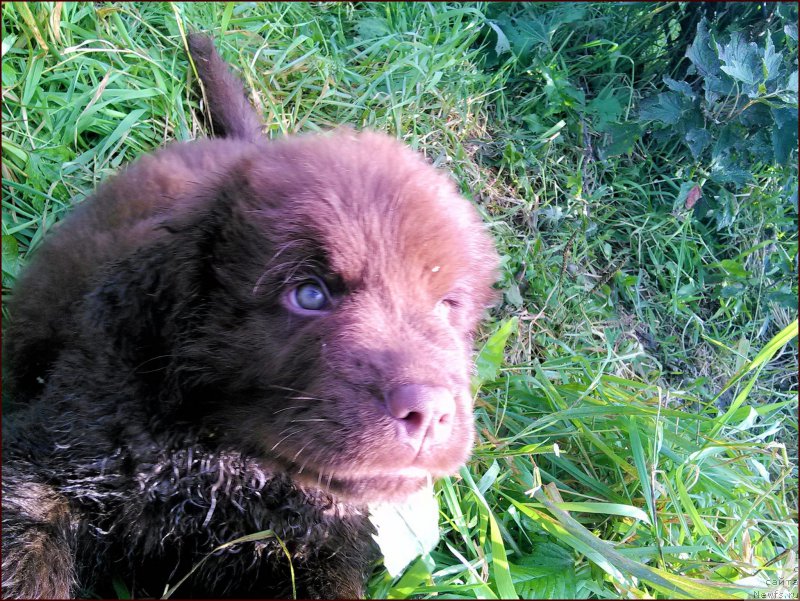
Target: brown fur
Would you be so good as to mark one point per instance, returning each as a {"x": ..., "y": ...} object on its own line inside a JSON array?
[{"x": 169, "y": 397}]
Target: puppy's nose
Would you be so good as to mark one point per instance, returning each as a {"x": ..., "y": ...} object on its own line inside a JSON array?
[{"x": 423, "y": 413}]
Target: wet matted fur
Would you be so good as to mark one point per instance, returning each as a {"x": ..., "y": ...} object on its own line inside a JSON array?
[{"x": 235, "y": 335}]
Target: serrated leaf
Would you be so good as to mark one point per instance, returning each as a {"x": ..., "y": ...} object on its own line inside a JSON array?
[
  {"x": 725, "y": 171},
  {"x": 772, "y": 60},
  {"x": 717, "y": 87},
  {"x": 545, "y": 581},
  {"x": 726, "y": 210},
  {"x": 756, "y": 116},
  {"x": 606, "y": 107},
  {"x": 622, "y": 137},
  {"x": 531, "y": 30},
  {"x": 698, "y": 140},
  {"x": 790, "y": 29},
  {"x": 681, "y": 87},
  {"x": 701, "y": 53},
  {"x": 789, "y": 94},
  {"x": 729, "y": 137},
  {"x": 784, "y": 134},
  {"x": 741, "y": 60},
  {"x": 667, "y": 109},
  {"x": 760, "y": 147}
]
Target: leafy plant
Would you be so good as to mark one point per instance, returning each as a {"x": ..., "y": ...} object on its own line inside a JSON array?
[{"x": 736, "y": 110}]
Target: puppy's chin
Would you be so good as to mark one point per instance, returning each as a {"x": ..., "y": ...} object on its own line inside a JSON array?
[
  {"x": 363, "y": 486},
  {"x": 364, "y": 489}
]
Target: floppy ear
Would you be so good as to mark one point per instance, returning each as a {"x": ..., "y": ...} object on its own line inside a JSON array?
[{"x": 145, "y": 303}]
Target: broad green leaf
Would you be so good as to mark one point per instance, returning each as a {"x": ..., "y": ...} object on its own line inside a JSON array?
[
  {"x": 502, "y": 46},
  {"x": 490, "y": 358},
  {"x": 667, "y": 109},
  {"x": 784, "y": 134},
  {"x": 703, "y": 57},
  {"x": 681, "y": 87},
  {"x": 725, "y": 171},
  {"x": 606, "y": 107},
  {"x": 698, "y": 140},
  {"x": 741, "y": 60},
  {"x": 513, "y": 296},
  {"x": 772, "y": 60},
  {"x": 622, "y": 136}
]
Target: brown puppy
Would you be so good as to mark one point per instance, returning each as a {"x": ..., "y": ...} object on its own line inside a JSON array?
[{"x": 236, "y": 335}]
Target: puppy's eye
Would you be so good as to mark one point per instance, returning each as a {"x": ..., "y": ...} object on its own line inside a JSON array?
[{"x": 310, "y": 296}]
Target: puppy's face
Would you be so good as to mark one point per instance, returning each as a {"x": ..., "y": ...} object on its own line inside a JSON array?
[{"x": 351, "y": 277}]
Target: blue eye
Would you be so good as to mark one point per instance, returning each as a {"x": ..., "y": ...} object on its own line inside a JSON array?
[{"x": 310, "y": 297}]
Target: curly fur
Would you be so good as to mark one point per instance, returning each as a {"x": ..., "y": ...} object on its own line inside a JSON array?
[{"x": 165, "y": 399}]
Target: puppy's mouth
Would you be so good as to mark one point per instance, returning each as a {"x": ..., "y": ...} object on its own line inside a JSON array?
[
  {"x": 389, "y": 450},
  {"x": 361, "y": 487}
]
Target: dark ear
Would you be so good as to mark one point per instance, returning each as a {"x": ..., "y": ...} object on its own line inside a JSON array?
[{"x": 143, "y": 305}]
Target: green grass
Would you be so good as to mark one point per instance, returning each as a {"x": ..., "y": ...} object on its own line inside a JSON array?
[{"x": 638, "y": 410}]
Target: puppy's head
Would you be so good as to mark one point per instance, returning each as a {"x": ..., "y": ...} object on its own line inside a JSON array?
[{"x": 348, "y": 277}]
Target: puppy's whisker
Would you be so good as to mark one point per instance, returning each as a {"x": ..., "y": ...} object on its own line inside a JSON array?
[
  {"x": 312, "y": 398},
  {"x": 305, "y": 396},
  {"x": 296, "y": 455},
  {"x": 288, "y": 435},
  {"x": 292, "y": 408},
  {"x": 138, "y": 370},
  {"x": 280, "y": 387}
]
